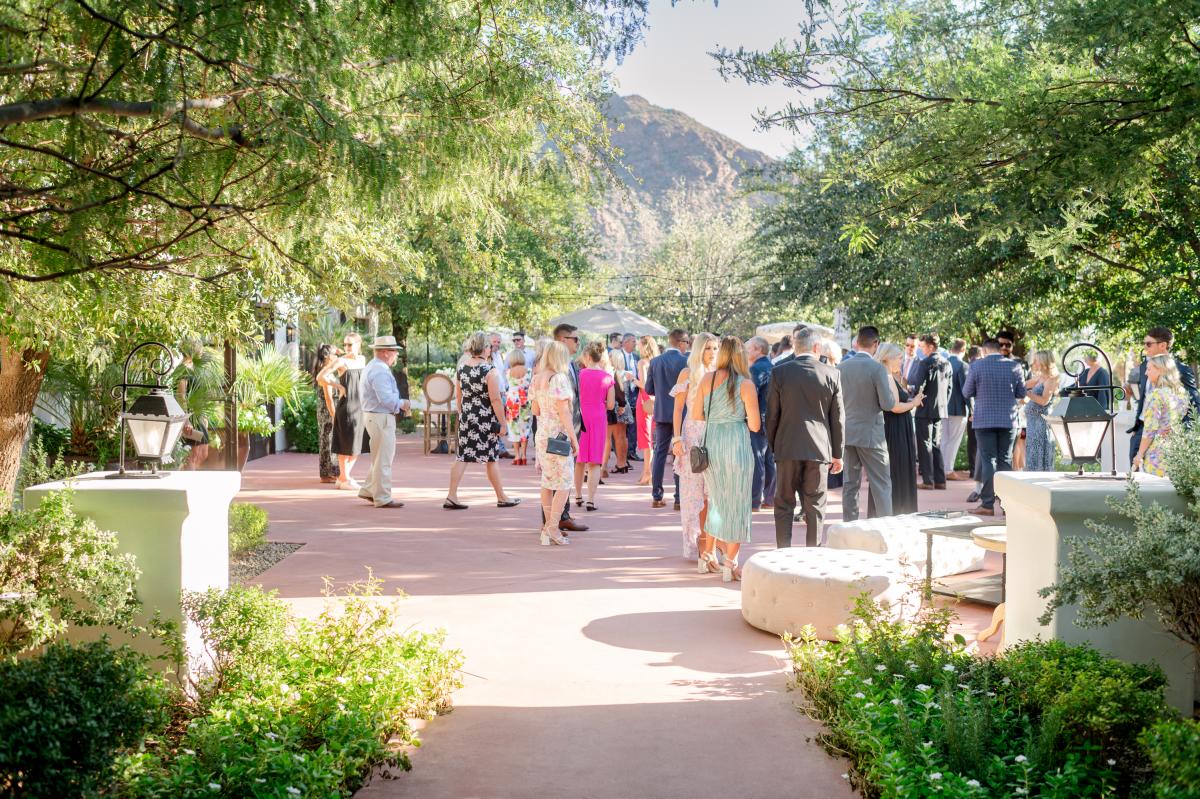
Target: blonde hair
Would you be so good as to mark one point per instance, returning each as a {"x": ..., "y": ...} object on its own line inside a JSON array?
[
  {"x": 1042, "y": 361},
  {"x": 731, "y": 356},
  {"x": 695, "y": 363},
  {"x": 516, "y": 358},
  {"x": 555, "y": 358},
  {"x": 539, "y": 350},
  {"x": 475, "y": 344},
  {"x": 831, "y": 350},
  {"x": 888, "y": 352},
  {"x": 1168, "y": 376},
  {"x": 648, "y": 348}
]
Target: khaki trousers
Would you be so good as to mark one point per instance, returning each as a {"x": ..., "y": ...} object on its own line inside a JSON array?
[{"x": 382, "y": 429}]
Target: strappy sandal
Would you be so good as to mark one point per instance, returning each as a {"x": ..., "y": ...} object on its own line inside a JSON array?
[
  {"x": 579, "y": 502},
  {"x": 450, "y": 504},
  {"x": 589, "y": 506}
]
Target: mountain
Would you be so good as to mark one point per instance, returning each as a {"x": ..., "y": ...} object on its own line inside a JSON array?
[{"x": 664, "y": 151}]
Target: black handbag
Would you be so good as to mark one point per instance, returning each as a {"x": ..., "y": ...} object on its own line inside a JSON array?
[
  {"x": 699, "y": 454},
  {"x": 559, "y": 445}
]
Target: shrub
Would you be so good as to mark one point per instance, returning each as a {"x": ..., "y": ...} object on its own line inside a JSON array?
[
  {"x": 306, "y": 707},
  {"x": 66, "y": 714},
  {"x": 40, "y": 465},
  {"x": 248, "y": 525},
  {"x": 1174, "y": 748},
  {"x": 918, "y": 716},
  {"x": 300, "y": 422},
  {"x": 58, "y": 569}
]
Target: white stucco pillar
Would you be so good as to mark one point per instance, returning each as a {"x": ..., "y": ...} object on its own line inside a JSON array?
[
  {"x": 176, "y": 526},
  {"x": 1043, "y": 511}
]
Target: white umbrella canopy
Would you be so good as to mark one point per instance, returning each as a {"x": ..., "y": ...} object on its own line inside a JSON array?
[
  {"x": 608, "y": 317},
  {"x": 777, "y": 330}
]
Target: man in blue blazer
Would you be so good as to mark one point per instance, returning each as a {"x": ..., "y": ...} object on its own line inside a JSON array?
[
  {"x": 660, "y": 379},
  {"x": 762, "y": 487}
]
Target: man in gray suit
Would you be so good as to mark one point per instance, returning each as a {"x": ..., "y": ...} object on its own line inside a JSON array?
[
  {"x": 867, "y": 392},
  {"x": 805, "y": 430}
]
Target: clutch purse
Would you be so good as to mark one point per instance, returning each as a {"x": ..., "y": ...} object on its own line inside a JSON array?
[{"x": 559, "y": 445}]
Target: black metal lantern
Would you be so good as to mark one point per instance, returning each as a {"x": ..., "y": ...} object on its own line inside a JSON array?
[
  {"x": 154, "y": 421},
  {"x": 1080, "y": 423}
]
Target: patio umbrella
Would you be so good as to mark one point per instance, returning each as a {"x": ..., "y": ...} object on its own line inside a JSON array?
[
  {"x": 777, "y": 330},
  {"x": 608, "y": 317}
]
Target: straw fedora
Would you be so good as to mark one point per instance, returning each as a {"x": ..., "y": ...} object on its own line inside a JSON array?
[{"x": 385, "y": 343}]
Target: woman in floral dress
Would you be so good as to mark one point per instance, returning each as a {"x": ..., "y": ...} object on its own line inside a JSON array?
[
  {"x": 480, "y": 410},
  {"x": 690, "y": 433},
  {"x": 1164, "y": 409},
  {"x": 550, "y": 400},
  {"x": 516, "y": 406},
  {"x": 1043, "y": 390}
]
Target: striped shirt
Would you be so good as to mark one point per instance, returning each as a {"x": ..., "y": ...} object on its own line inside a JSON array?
[{"x": 996, "y": 383}]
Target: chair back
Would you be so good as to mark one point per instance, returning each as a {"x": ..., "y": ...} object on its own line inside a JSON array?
[{"x": 439, "y": 391}]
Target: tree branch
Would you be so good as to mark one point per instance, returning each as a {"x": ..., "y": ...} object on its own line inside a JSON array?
[{"x": 58, "y": 107}]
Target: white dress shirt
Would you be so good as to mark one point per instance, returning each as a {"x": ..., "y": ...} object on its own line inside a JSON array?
[{"x": 379, "y": 391}]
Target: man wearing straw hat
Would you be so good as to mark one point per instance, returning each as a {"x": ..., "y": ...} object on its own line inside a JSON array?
[{"x": 381, "y": 402}]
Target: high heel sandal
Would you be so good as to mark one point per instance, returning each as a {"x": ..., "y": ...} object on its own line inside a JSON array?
[
  {"x": 589, "y": 506},
  {"x": 706, "y": 564},
  {"x": 548, "y": 539},
  {"x": 621, "y": 469},
  {"x": 579, "y": 502},
  {"x": 729, "y": 571}
]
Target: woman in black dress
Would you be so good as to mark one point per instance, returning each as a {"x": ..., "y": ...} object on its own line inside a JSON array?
[
  {"x": 901, "y": 434},
  {"x": 349, "y": 427},
  {"x": 327, "y": 464}
]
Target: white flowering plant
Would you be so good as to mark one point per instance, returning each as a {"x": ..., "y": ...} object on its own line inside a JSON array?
[{"x": 919, "y": 716}]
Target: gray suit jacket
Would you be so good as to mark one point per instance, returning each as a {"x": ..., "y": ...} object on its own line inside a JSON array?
[
  {"x": 866, "y": 392},
  {"x": 804, "y": 411}
]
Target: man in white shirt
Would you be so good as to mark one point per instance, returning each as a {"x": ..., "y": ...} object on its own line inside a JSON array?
[
  {"x": 785, "y": 351},
  {"x": 380, "y": 403},
  {"x": 909, "y": 360},
  {"x": 498, "y": 361},
  {"x": 624, "y": 362},
  {"x": 518, "y": 340}
]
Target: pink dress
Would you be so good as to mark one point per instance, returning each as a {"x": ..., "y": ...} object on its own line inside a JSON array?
[{"x": 593, "y": 394}]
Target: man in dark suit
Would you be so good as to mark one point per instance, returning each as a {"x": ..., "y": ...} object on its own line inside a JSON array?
[
  {"x": 934, "y": 378},
  {"x": 788, "y": 351},
  {"x": 1158, "y": 341},
  {"x": 805, "y": 430},
  {"x": 954, "y": 424},
  {"x": 763, "y": 484},
  {"x": 660, "y": 379}
]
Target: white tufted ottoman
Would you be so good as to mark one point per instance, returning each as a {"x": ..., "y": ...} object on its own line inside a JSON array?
[
  {"x": 785, "y": 589},
  {"x": 900, "y": 538}
]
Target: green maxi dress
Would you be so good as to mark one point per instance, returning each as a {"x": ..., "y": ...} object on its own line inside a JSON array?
[{"x": 731, "y": 466}]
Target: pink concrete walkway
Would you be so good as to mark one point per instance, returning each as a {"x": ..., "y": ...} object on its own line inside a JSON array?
[{"x": 605, "y": 669}]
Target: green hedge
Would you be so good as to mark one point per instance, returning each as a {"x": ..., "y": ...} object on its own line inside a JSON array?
[
  {"x": 248, "y": 525},
  {"x": 300, "y": 423},
  {"x": 920, "y": 717},
  {"x": 65, "y": 715},
  {"x": 1174, "y": 748}
]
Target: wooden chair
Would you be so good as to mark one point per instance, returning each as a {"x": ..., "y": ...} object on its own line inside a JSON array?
[{"x": 440, "y": 412}]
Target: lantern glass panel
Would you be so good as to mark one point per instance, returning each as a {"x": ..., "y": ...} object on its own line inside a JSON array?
[
  {"x": 1059, "y": 431},
  {"x": 1088, "y": 436},
  {"x": 148, "y": 436}
]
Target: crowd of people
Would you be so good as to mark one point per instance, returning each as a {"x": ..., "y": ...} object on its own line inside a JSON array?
[{"x": 742, "y": 426}]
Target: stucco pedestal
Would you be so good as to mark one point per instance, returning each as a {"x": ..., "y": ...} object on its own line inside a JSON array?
[
  {"x": 176, "y": 526},
  {"x": 1043, "y": 511}
]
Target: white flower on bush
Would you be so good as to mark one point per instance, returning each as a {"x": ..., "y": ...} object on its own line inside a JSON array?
[
  {"x": 868, "y": 681},
  {"x": 848, "y": 672},
  {"x": 272, "y": 736},
  {"x": 367, "y": 679},
  {"x": 932, "y": 705},
  {"x": 1020, "y": 758},
  {"x": 860, "y": 695},
  {"x": 922, "y": 687},
  {"x": 284, "y": 688},
  {"x": 1006, "y": 681},
  {"x": 937, "y": 775},
  {"x": 342, "y": 680},
  {"x": 298, "y": 758},
  {"x": 216, "y": 786},
  {"x": 948, "y": 667},
  {"x": 972, "y": 783},
  {"x": 293, "y": 791},
  {"x": 189, "y": 751},
  {"x": 1019, "y": 791},
  {"x": 881, "y": 667},
  {"x": 1112, "y": 762},
  {"x": 897, "y": 702}
]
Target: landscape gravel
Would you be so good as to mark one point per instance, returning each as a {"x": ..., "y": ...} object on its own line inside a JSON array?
[{"x": 247, "y": 565}]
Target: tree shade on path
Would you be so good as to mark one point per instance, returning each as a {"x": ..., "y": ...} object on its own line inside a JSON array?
[{"x": 606, "y": 669}]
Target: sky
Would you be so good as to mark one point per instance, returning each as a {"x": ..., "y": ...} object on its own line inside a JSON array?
[{"x": 672, "y": 68}]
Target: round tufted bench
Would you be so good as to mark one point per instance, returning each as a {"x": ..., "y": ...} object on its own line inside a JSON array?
[{"x": 785, "y": 589}]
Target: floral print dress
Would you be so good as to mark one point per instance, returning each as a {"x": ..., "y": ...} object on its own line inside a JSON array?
[
  {"x": 558, "y": 471},
  {"x": 692, "y": 494},
  {"x": 516, "y": 408},
  {"x": 1163, "y": 411},
  {"x": 478, "y": 428}
]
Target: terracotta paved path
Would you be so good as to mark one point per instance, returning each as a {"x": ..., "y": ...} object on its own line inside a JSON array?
[{"x": 606, "y": 669}]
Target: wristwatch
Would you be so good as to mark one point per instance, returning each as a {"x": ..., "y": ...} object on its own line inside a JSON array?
[{"x": 676, "y": 439}]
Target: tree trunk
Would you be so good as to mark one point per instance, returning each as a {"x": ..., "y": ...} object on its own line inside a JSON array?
[{"x": 21, "y": 375}]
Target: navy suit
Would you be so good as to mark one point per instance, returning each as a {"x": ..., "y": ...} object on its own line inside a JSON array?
[
  {"x": 660, "y": 379},
  {"x": 934, "y": 376},
  {"x": 763, "y": 485}
]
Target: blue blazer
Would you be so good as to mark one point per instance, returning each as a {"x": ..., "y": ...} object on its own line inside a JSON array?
[
  {"x": 760, "y": 373},
  {"x": 958, "y": 403},
  {"x": 660, "y": 379}
]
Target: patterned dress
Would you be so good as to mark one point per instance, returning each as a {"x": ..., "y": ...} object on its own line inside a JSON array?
[
  {"x": 731, "y": 466},
  {"x": 1163, "y": 411},
  {"x": 1039, "y": 441},
  {"x": 516, "y": 408},
  {"x": 479, "y": 429},
  {"x": 691, "y": 486},
  {"x": 327, "y": 461},
  {"x": 558, "y": 471}
]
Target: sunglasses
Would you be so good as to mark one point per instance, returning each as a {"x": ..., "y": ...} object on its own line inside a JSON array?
[
  {"x": 1007, "y": 344},
  {"x": 571, "y": 338},
  {"x": 1150, "y": 342}
]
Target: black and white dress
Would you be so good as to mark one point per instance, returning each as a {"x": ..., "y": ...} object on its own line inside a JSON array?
[{"x": 478, "y": 428}]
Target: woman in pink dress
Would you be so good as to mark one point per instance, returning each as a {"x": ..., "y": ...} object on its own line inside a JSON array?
[{"x": 597, "y": 395}]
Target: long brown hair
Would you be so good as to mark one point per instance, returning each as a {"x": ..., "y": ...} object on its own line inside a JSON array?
[{"x": 731, "y": 356}]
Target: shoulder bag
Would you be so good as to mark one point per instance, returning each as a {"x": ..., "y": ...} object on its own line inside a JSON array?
[{"x": 699, "y": 453}]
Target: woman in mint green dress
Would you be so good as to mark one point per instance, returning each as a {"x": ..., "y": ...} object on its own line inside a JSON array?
[{"x": 729, "y": 403}]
